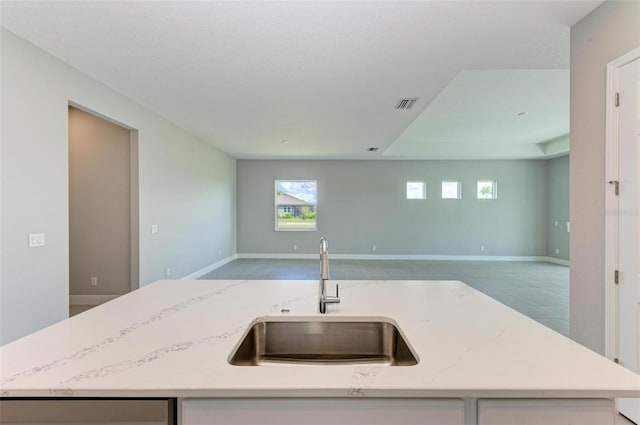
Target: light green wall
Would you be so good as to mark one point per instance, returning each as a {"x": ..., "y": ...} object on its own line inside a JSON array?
[
  {"x": 558, "y": 194},
  {"x": 362, "y": 203},
  {"x": 186, "y": 186}
]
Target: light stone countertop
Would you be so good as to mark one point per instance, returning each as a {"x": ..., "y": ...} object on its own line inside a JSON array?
[{"x": 173, "y": 338}]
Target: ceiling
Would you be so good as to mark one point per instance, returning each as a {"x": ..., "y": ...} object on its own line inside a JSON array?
[{"x": 326, "y": 76}]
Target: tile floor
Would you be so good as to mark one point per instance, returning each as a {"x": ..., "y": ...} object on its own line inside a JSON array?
[{"x": 537, "y": 289}]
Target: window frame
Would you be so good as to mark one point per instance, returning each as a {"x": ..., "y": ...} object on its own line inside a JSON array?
[
  {"x": 275, "y": 201},
  {"x": 494, "y": 191},
  {"x": 459, "y": 190},
  {"x": 424, "y": 190}
]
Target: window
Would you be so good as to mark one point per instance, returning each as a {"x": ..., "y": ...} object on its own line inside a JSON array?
[
  {"x": 296, "y": 203},
  {"x": 451, "y": 189},
  {"x": 416, "y": 190},
  {"x": 487, "y": 189}
]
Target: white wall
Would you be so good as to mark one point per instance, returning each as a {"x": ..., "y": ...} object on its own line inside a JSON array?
[
  {"x": 186, "y": 186},
  {"x": 558, "y": 196},
  {"x": 607, "y": 33}
]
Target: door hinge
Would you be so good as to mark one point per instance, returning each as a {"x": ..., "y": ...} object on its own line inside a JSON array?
[
  {"x": 617, "y": 99},
  {"x": 617, "y": 185},
  {"x": 616, "y": 360},
  {"x": 616, "y": 276}
]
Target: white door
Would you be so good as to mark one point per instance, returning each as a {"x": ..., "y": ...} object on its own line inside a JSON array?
[{"x": 628, "y": 250}]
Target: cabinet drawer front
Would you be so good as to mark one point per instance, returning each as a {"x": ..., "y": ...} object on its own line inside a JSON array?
[
  {"x": 322, "y": 411},
  {"x": 546, "y": 412},
  {"x": 69, "y": 411}
]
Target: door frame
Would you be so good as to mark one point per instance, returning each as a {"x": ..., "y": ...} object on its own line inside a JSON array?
[
  {"x": 611, "y": 202},
  {"x": 134, "y": 191}
]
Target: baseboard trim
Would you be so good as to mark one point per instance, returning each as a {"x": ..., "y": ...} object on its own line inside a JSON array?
[
  {"x": 529, "y": 258},
  {"x": 281, "y": 256},
  {"x": 557, "y": 261},
  {"x": 90, "y": 299},
  {"x": 209, "y": 268}
]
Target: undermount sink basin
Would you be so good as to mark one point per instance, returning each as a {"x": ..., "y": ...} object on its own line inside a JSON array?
[{"x": 323, "y": 340}]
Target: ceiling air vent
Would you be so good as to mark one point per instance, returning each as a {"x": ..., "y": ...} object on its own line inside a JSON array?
[{"x": 406, "y": 103}]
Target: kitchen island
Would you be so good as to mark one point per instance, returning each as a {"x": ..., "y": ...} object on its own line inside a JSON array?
[{"x": 479, "y": 360}]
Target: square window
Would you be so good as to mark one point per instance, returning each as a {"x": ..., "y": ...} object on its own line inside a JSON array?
[
  {"x": 487, "y": 189},
  {"x": 296, "y": 204},
  {"x": 451, "y": 189},
  {"x": 416, "y": 190}
]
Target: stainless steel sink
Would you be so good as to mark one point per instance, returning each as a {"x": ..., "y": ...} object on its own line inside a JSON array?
[{"x": 323, "y": 340}]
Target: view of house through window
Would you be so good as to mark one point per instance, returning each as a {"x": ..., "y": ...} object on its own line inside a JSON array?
[
  {"x": 487, "y": 189},
  {"x": 296, "y": 202}
]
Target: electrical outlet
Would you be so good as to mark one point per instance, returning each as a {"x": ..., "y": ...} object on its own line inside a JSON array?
[
  {"x": 154, "y": 228},
  {"x": 295, "y": 247},
  {"x": 482, "y": 248},
  {"x": 94, "y": 281},
  {"x": 557, "y": 251},
  {"x": 373, "y": 247},
  {"x": 168, "y": 272},
  {"x": 219, "y": 253}
]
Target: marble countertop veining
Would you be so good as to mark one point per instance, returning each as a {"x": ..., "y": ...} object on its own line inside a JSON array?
[{"x": 173, "y": 338}]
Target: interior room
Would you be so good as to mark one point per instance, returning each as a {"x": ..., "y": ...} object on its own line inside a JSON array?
[{"x": 389, "y": 159}]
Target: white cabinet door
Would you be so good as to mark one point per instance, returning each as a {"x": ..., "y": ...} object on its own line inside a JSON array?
[
  {"x": 280, "y": 411},
  {"x": 546, "y": 412},
  {"x": 629, "y": 227}
]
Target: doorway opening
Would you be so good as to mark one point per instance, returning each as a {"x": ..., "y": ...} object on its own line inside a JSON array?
[{"x": 103, "y": 209}]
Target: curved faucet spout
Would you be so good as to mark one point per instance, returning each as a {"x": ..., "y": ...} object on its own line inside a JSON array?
[{"x": 324, "y": 259}]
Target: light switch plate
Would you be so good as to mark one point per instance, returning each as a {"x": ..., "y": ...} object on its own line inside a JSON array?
[{"x": 36, "y": 240}]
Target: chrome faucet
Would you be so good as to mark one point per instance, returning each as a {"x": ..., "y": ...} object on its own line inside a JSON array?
[{"x": 323, "y": 298}]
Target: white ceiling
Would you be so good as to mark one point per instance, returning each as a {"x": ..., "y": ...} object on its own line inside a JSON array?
[
  {"x": 491, "y": 113},
  {"x": 326, "y": 75}
]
